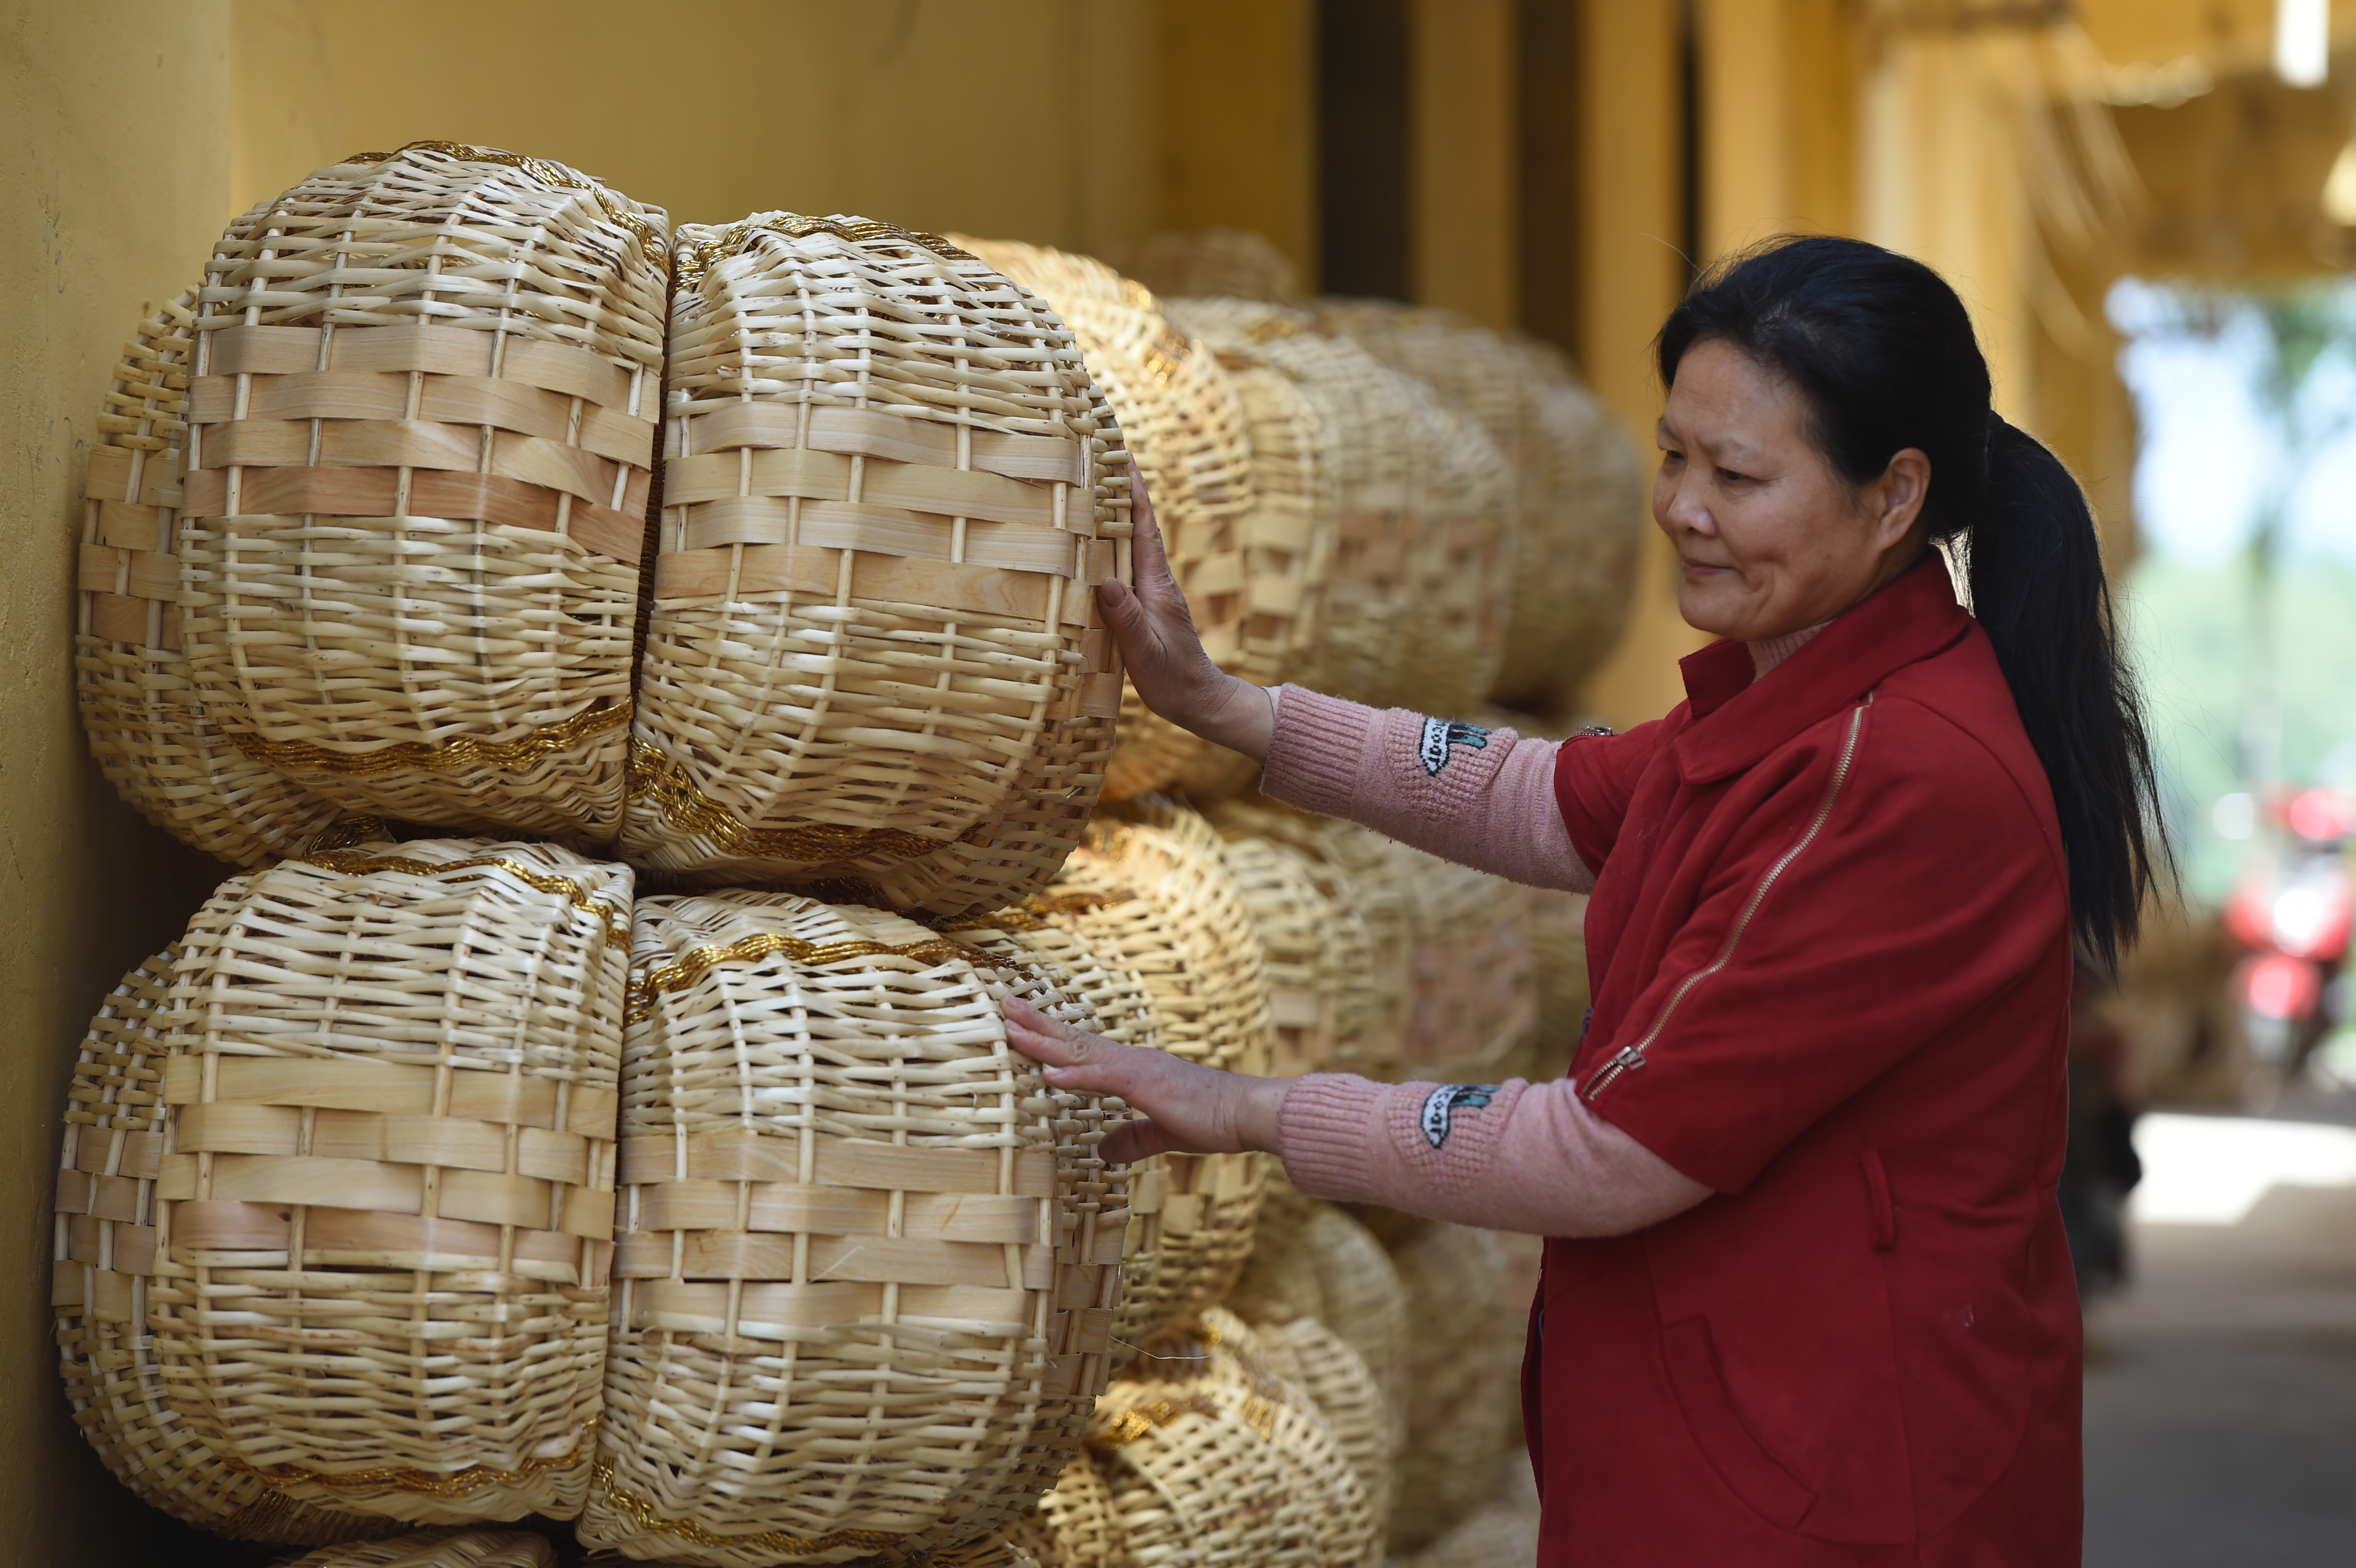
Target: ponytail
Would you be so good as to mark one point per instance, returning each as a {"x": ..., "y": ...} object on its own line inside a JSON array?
[
  {"x": 1884, "y": 352},
  {"x": 2034, "y": 563}
]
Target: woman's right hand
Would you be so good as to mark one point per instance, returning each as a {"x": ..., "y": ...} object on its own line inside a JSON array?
[{"x": 1163, "y": 653}]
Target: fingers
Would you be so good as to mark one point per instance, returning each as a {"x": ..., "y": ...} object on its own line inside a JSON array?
[{"x": 1135, "y": 1140}]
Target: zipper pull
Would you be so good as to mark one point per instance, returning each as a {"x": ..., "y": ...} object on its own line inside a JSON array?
[{"x": 1628, "y": 1059}]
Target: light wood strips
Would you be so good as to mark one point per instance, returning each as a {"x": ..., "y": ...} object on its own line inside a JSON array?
[
  {"x": 848, "y": 1202},
  {"x": 104, "y": 1252},
  {"x": 469, "y": 1549},
  {"x": 421, "y": 440},
  {"x": 873, "y": 655},
  {"x": 147, "y": 727},
  {"x": 390, "y": 1121}
]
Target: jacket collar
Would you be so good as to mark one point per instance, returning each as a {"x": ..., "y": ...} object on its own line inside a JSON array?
[{"x": 1736, "y": 720}]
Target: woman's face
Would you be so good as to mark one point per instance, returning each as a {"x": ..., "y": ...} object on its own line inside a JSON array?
[{"x": 1770, "y": 539}]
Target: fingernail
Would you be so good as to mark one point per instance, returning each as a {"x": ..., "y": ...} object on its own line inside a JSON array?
[{"x": 1112, "y": 589}]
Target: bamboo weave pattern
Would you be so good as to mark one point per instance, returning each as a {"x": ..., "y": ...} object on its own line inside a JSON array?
[
  {"x": 471, "y": 1549},
  {"x": 385, "y": 1201},
  {"x": 1156, "y": 897},
  {"x": 147, "y": 729},
  {"x": 891, "y": 489},
  {"x": 105, "y": 1248},
  {"x": 865, "y": 1258},
  {"x": 422, "y": 427}
]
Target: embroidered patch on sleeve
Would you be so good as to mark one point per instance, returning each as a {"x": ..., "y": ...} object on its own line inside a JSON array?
[
  {"x": 1445, "y": 1102},
  {"x": 1440, "y": 737}
]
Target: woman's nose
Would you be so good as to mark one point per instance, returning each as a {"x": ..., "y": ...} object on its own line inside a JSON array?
[{"x": 1686, "y": 509}]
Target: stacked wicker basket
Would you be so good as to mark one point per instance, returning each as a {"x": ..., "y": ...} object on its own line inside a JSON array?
[{"x": 653, "y": 684}]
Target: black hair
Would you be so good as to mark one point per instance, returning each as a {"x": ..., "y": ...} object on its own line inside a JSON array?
[{"x": 1884, "y": 352}]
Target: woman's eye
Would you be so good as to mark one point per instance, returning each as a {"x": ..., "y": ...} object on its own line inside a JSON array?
[
  {"x": 1728, "y": 477},
  {"x": 1670, "y": 459}
]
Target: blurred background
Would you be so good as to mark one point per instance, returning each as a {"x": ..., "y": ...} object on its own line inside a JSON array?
[{"x": 2149, "y": 204}]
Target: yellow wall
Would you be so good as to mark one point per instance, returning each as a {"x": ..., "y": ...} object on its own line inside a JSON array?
[
  {"x": 1465, "y": 167},
  {"x": 116, "y": 122},
  {"x": 1034, "y": 126},
  {"x": 1238, "y": 132},
  {"x": 1629, "y": 191}
]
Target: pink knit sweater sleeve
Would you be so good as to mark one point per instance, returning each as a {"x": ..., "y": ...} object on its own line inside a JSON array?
[
  {"x": 1483, "y": 798},
  {"x": 1505, "y": 1156}
]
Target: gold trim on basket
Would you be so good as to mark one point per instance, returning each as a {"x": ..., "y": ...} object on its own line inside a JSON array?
[
  {"x": 691, "y": 965},
  {"x": 655, "y": 247},
  {"x": 353, "y": 863},
  {"x": 298, "y": 756},
  {"x": 1031, "y": 913},
  {"x": 1139, "y": 1420},
  {"x": 423, "y": 1483},
  {"x": 640, "y": 1512},
  {"x": 697, "y": 260},
  {"x": 656, "y": 776}
]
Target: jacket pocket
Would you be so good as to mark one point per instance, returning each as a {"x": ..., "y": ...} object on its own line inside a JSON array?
[{"x": 1748, "y": 1469}]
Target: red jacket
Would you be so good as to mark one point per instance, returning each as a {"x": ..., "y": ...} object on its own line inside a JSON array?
[{"x": 1831, "y": 957}]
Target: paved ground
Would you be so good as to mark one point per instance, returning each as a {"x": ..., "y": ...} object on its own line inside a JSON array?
[{"x": 2221, "y": 1392}]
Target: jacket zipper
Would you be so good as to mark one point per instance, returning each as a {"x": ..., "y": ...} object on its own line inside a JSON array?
[{"x": 1631, "y": 1057}]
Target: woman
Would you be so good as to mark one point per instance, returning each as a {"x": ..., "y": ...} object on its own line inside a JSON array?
[{"x": 1807, "y": 1299}]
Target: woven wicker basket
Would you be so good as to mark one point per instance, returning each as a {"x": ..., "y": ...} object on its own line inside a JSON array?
[
  {"x": 422, "y": 428},
  {"x": 1202, "y": 262},
  {"x": 1204, "y": 1454},
  {"x": 146, "y": 728},
  {"x": 865, "y": 1259},
  {"x": 1474, "y": 1003},
  {"x": 433, "y": 1548},
  {"x": 1283, "y": 558},
  {"x": 1479, "y": 483},
  {"x": 105, "y": 1247},
  {"x": 1311, "y": 1259},
  {"x": 1500, "y": 1533},
  {"x": 1185, "y": 419},
  {"x": 392, "y": 1104},
  {"x": 1264, "y": 1376},
  {"x": 1318, "y": 950},
  {"x": 1557, "y": 937},
  {"x": 873, "y": 656},
  {"x": 1156, "y": 897},
  {"x": 1463, "y": 1355},
  {"x": 1379, "y": 427},
  {"x": 1583, "y": 522},
  {"x": 1355, "y": 1408},
  {"x": 1356, "y": 869}
]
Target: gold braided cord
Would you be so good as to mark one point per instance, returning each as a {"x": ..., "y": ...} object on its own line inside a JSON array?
[
  {"x": 1274, "y": 328},
  {"x": 691, "y": 965},
  {"x": 697, "y": 260},
  {"x": 1139, "y": 1420},
  {"x": 506, "y": 756},
  {"x": 657, "y": 777},
  {"x": 655, "y": 246},
  {"x": 423, "y": 1483},
  {"x": 1031, "y": 913},
  {"x": 350, "y": 833},
  {"x": 641, "y": 1512},
  {"x": 615, "y": 923}
]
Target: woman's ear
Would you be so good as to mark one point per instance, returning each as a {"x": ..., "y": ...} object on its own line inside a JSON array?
[{"x": 1898, "y": 496}]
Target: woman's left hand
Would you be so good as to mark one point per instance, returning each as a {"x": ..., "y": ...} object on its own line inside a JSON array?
[{"x": 1192, "y": 1109}]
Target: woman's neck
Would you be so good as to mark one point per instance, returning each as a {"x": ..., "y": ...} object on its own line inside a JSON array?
[{"x": 1769, "y": 652}]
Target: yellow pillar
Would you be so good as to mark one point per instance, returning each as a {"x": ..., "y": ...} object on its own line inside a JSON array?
[
  {"x": 116, "y": 122},
  {"x": 1630, "y": 216},
  {"x": 1465, "y": 162},
  {"x": 1239, "y": 138},
  {"x": 1942, "y": 181},
  {"x": 1778, "y": 120}
]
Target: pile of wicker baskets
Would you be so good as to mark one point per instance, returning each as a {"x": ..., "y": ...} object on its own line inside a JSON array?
[{"x": 652, "y": 684}]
